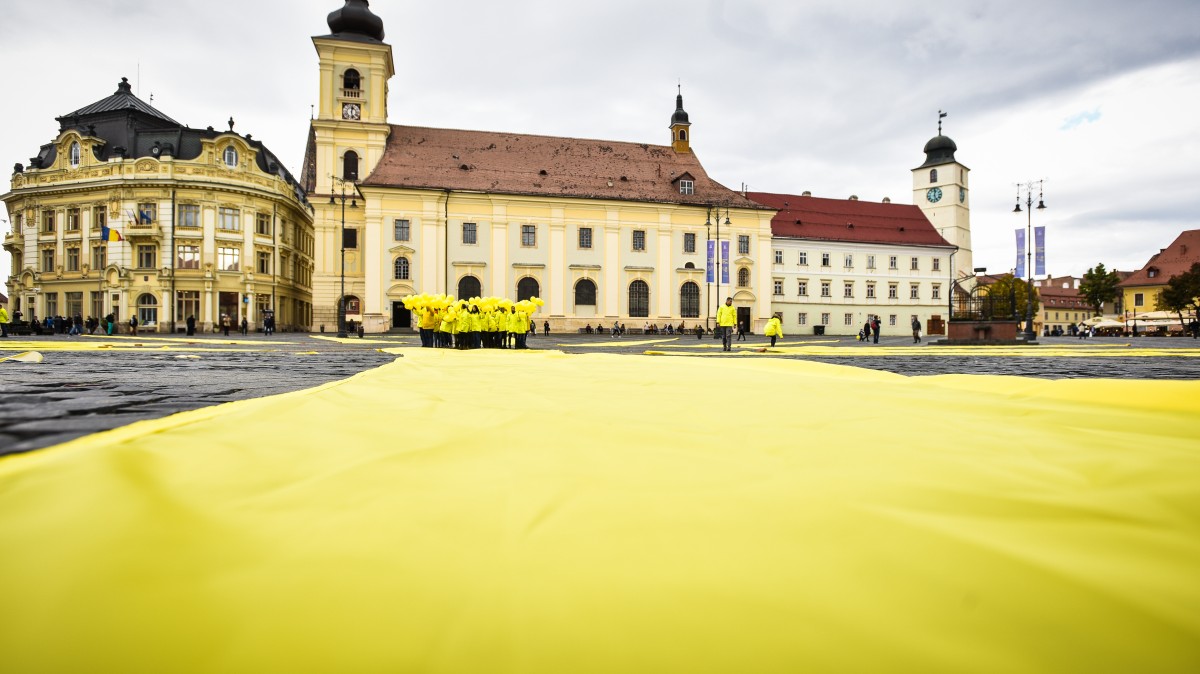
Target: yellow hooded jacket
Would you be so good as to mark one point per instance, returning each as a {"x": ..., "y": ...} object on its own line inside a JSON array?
[{"x": 774, "y": 327}]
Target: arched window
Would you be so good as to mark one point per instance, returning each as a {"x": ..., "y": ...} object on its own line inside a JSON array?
[
  {"x": 743, "y": 278},
  {"x": 231, "y": 157},
  {"x": 689, "y": 300},
  {"x": 932, "y": 176},
  {"x": 689, "y": 265},
  {"x": 147, "y": 309},
  {"x": 74, "y": 154},
  {"x": 353, "y": 306},
  {"x": 468, "y": 287},
  {"x": 350, "y": 165},
  {"x": 639, "y": 299},
  {"x": 683, "y": 134},
  {"x": 585, "y": 293},
  {"x": 351, "y": 79},
  {"x": 400, "y": 269},
  {"x": 526, "y": 288}
]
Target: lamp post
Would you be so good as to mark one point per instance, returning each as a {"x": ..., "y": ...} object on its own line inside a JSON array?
[
  {"x": 333, "y": 201},
  {"x": 1028, "y": 334},
  {"x": 714, "y": 213}
]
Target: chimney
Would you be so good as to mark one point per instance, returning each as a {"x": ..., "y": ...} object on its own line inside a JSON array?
[{"x": 853, "y": 197}]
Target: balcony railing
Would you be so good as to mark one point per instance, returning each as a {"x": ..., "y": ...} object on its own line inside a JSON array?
[{"x": 352, "y": 93}]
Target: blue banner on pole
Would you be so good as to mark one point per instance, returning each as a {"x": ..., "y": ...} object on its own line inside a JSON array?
[
  {"x": 725, "y": 262},
  {"x": 1020, "y": 253},
  {"x": 1039, "y": 251},
  {"x": 710, "y": 277}
]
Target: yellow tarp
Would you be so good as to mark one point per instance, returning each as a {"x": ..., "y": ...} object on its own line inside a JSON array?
[{"x": 538, "y": 512}]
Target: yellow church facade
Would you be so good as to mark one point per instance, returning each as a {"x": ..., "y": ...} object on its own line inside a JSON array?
[{"x": 601, "y": 231}]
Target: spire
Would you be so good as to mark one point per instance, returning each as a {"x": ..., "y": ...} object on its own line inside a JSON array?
[
  {"x": 680, "y": 135},
  {"x": 680, "y": 116}
]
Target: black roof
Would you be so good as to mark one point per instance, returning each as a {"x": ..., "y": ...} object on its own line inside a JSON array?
[{"x": 122, "y": 99}]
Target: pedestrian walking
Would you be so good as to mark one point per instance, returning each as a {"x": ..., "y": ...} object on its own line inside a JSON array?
[
  {"x": 191, "y": 325},
  {"x": 245, "y": 326},
  {"x": 726, "y": 321},
  {"x": 3, "y": 322},
  {"x": 225, "y": 321},
  {"x": 741, "y": 329},
  {"x": 875, "y": 330},
  {"x": 133, "y": 325},
  {"x": 916, "y": 328}
]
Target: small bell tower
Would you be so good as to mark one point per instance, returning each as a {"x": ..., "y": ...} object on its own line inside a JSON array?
[{"x": 680, "y": 127}]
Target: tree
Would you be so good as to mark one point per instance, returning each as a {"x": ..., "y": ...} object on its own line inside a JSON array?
[
  {"x": 1182, "y": 294},
  {"x": 1099, "y": 286},
  {"x": 1009, "y": 296}
]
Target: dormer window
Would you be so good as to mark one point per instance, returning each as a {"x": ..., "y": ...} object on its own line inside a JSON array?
[
  {"x": 231, "y": 157},
  {"x": 351, "y": 79},
  {"x": 687, "y": 187},
  {"x": 1151, "y": 272},
  {"x": 74, "y": 153}
]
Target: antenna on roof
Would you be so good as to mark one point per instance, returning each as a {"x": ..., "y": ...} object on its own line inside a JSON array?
[{"x": 940, "y": 116}]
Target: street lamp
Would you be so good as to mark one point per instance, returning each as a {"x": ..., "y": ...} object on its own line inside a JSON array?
[
  {"x": 710, "y": 214},
  {"x": 1029, "y": 335},
  {"x": 333, "y": 201}
]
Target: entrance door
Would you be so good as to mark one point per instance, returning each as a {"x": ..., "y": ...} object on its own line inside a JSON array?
[
  {"x": 744, "y": 318},
  {"x": 401, "y": 317}
]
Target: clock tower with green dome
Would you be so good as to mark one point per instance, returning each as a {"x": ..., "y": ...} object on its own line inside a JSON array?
[{"x": 940, "y": 190}]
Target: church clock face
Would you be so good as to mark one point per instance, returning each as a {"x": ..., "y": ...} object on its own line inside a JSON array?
[
  {"x": 351, "y": 111},
  {"x": 934, "y": 195}
]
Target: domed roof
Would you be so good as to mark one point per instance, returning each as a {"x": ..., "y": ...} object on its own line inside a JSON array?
[
  {"x": 355, "y": 18},
  {"x": 939, "y": 150},
  {"x": 680, "y": 116}
]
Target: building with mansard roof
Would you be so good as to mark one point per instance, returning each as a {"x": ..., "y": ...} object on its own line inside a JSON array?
[
  {"x": 603, "y": 231},
  {"x": 130, "y": 213}
]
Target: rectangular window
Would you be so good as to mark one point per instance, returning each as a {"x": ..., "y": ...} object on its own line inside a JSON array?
[
  {"x": 99, "y": 217},
  {"x": 848, "y": 319},
  {"x": 870, "y": 262},
  {"x": 689, "y": 243},
  {"x": 585, "y": 237},
  {"x": 892, "y": 320},
  {"x": 892, "y": 262},
  {"x": 263, "y": 262},
  {"x": 262, "y": 224},
  {"x": 802, "y": 288},
  {"x": 824, "y": 319},
  {"x": 229, "y": 259},
  {"x": 529, "y": 236},
  {"x": 187, "y": 257},
  {"x": 937, "y": 264},
  {"x": 229, "y": 219},
  {"x": 870, "y": 291},
  {"x": 72, "y": 220},
  {"x": 743, "y": 244},
  {"x": 824, "y": 259},
  {"x": 913, "y": 264},
  {"x": 350, "y": 239},
  {"x": 187, "y": 304},
  {"x": 825, "y": 292},
  {"x": 51, "y": 304},
  {"x": 147, "y": 213},
  {"x": 74, "y": 303},
  {"x": 937, "y": 291},
  {"x": 48, "y": 259},
  {"x": 639, "y": 239},
  {"x": 189, "y": 216},
  {"x": 779, "y": 257},
  {"x": 779, "y": 287},
  {"x": 401, "y": 230},
  {"x": 848, "y": 290},
  {"x": 914, "y": 292},
  {"x": 95, "y": 302},
  {"x": 72, "y": 259},
  {"x": 469, "y": 234},
  {"x": 803, "y": 318},
  {"x": 1139, "y": 299},
  {"x": 147, "y": 257},
  {"x": 848, "y": 263},
  {"x": 47, "y": 222},
  {"x": 99, "y": 256},
  {"x": 803, "y": 258},
  {"x": 686, "y": 187},
  {"x": 893, "y": 291}
]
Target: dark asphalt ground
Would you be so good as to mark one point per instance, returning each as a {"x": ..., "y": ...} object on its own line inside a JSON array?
[{"x": 75, "y": 393}]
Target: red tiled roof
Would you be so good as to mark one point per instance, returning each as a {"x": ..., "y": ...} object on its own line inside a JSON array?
[
  {"x": 526, "y": 164},
  {"x": 849, "y": 220},
  {"x": 1170, "y": 261}
]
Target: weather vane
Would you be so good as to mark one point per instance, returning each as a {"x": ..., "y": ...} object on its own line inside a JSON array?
[{"x": 940, "y": 116}]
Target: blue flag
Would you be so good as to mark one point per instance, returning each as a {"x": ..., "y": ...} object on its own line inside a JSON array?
[
  {"x": 710, "y": 277},
  {"x": 1020, "y": 253},
  {"x": 1039, "y": 251}
]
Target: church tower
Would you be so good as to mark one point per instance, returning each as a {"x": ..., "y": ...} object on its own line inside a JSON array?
[
  {"x": 940, "y": 190},
  {"x": 680, "y": 127}
]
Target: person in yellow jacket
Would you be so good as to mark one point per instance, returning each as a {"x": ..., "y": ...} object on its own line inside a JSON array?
[
  {"x": 427, "y": 323},
  {"x": 476, "y": 329},
  {"x": 445, "y": 329},
  {"x": 774, "y": 328},
  {"x": 726, "y": 322},
  {"x": 462, "y": 328},
  {"x": 3, "y": 322}
]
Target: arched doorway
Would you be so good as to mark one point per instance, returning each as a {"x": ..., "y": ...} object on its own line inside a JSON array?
[
  {"x": 689, "y": 300},
  {"x": 526, "y": 288},
  {"x": 468, "y": 287},
  {"x": 147, "y": 309}
]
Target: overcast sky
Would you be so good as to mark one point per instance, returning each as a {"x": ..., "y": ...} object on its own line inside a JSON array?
[{"x": 1097, "y": 97}]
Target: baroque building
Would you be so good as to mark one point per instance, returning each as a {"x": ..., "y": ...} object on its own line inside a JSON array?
[
  {"x": 838, "y": 262},
  {"x": 130, "y": 213},
  {"x": 601, "y": 230},
  {"x": 941, "y": 191}
]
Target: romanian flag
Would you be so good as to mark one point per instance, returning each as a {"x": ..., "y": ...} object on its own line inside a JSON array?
[{"x": 107, "y": 234}]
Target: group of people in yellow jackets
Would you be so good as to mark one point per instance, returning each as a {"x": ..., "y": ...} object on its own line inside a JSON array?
[
  {"x": 490, "y": 323},
  {"x": 727, "y": 323}
]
